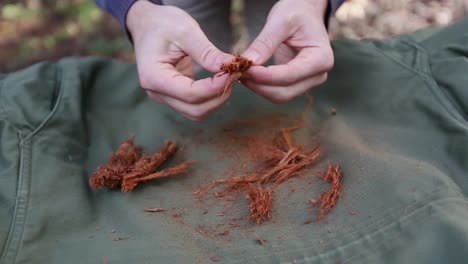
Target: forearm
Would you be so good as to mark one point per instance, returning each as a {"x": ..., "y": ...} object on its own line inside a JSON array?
[{"x": 119, "y": 8}]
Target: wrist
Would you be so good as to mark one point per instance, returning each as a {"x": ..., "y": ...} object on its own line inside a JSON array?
[{"x": 136, "y": 16}]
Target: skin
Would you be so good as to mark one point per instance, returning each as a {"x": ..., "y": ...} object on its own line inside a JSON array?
[{"x": 294, "y": 34}]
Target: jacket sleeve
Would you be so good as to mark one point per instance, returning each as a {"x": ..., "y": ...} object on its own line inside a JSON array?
[
  {"x": 333, "y": 5},
  {"x": 119, "y": 8}
]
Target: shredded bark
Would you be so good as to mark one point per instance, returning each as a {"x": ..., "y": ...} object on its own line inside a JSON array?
[
  {"x": 235, "y": 69},
  {"x": 154, "y": 210},
  {"x": 329, "y": 198},
  {"x": 129, "y": 183},
  {"x": 120, "y": 163},
  {"x": 215, "y": 259},
  {"x": 128, "y": 167},
  {"x": 120, "y": 238},
  {"x": 260, "y": 203},
  {"x": 149, "y": 164},
  {"x": 260, "y": 240},
  {"x": 281, "y": 158}
]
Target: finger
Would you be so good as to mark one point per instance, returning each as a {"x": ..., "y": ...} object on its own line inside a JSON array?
[
  {"x": 155, "y": 97},
  {"x": 263, "y": 47},
  {"x": 172, "y": 83},
  {"x": 192, "y": 111},
  {"x": 196, "y": 45},
  {"x": 309, "y": 62},
  {"x": 283, "y": 94},
  {"x": 284, "y": 54},
  {"x": 185, "y": 66},
  {"x": 157, "y": 72}
]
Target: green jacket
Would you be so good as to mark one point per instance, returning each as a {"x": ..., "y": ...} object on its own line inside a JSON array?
[{"x": 400, "y": 136}]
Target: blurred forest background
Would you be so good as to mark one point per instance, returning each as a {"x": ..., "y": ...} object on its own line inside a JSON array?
[{"x": 37, "y": 30}]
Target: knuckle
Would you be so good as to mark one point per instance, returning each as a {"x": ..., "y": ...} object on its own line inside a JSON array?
[
  {"x": 296, "y": 17},
  {"x": 323, "y": 78},
  {"x": 192, "y": 97},
  {"x": 292, "y": 19},
  {"x": 154, "y": 97},
  {"x": 185, "y": 25},
  {"x": 192, "y": 118},
  {"x": 292, "y": 75},
  {"x": 182, "y": 30},
  {"x": 289, "y": 96},
  {"x": 290, "y": 93},
  {"x": 197, "y": 115},
  {"x": 147, "y": 81},
  {"x": 280, "y": 98},
  {"x": 150, "y": 95},
  {"x": 290, "y": 78},
  {"x": 328, "y": 60},
  {"x": 175, "y": 11},
  {"x": 209, "y": 54},
  {"x": 266, "y": 43}
]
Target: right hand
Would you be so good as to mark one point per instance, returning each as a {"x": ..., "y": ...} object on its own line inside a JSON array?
[{"x": 166, "y": 38}]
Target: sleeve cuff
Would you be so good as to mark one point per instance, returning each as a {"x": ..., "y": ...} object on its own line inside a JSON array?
[
  {"x": 119, "y": 9},
  {"x": 333, "y": 5}
]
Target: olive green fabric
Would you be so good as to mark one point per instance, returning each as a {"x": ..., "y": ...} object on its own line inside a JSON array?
[{"x": 400, "y": 136}]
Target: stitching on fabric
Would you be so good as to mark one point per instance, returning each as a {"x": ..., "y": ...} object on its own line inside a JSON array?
[
  {"x": 445, "y": 102},
  {"x": 4, "y": 253},
  {"x": 2, "y": 107},
  {"x": 389, "y": 225},
  {"x": 25, "y": 177},
  {"x": 59, "y": 82},
  {"x": 434, "y": 196},
  {"x": 386, "y": 228},
  {"x": 10, "y": 250},
  {"x": 429, "y": 80},
  {"x": 408, "y": 67},
  {"x": 421, "y": 54},
  {"x": 16, "y": 228},
  {"x": 439, "y": 92}
]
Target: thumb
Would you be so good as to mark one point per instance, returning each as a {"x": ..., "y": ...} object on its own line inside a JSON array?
[
  {"x": 265, "y": 45},
  {"x": 207, "y": 55}
]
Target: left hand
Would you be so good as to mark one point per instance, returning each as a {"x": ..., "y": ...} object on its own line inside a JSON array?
[{"x": 296, "y": 36}]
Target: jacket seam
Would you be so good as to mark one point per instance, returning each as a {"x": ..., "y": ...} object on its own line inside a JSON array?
[
  {"x": 428, "y": 78},
  {"x": 59, "y": 84},
  {"x": 3, "y": 110},
  {"x": 15, "y": 234},
  {"x": 16, "y": 231}
]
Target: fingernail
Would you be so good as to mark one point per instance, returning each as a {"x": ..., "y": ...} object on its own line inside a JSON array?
[{"x": 252, "y": 55}]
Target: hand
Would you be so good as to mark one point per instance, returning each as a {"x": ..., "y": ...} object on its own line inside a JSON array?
[
  {"x": 295, "y": 34},
  {"x": 166, "y": 39}
]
